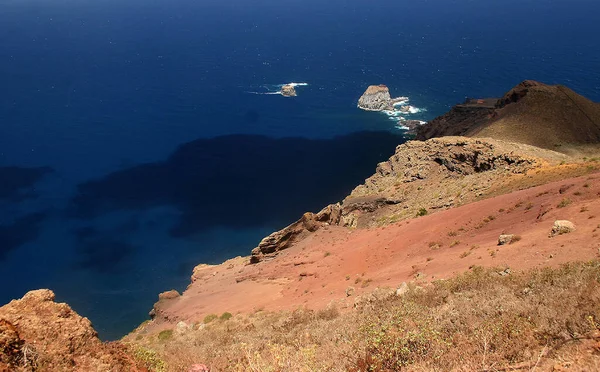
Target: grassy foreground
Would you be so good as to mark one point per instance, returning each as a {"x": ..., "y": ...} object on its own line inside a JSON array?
[{"x": 485, "y": 319}]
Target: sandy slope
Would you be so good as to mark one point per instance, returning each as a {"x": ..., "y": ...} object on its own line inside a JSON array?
[{"x": 321, "y": 268}]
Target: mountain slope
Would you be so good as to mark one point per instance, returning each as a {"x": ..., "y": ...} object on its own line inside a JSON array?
[{"x": 551, "y": 117}]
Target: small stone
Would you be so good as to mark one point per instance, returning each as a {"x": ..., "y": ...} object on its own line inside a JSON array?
[
  {"x": 181, "y": 327},
  {"x": 505, "y": 272},
  {"x": 402, "y": 289},
  {"x": 350, "y": 291}
]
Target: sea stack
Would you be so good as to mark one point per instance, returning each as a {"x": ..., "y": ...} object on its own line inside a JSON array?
[
  {"x": 288, "y": 91},
  {"x": 376, "y": 98}
]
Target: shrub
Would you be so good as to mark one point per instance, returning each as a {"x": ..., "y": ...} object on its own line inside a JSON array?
[
  {"x": 165, "y": 335},
  {"x": 209, "y": 318},
  {"x": 225, "y": 316},
  {"x": 435, "y": 245},
  {"x": 478, "y": 320},
  {"x": 422, "y": 212},
  {"x": 148, "y": 358},
  {"x": 563, "y": 203}
]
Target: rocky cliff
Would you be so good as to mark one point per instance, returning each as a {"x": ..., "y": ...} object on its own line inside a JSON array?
[{"x": 436, "y": 174}]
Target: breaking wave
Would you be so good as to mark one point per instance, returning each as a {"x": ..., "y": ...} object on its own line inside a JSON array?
[{"x": 274, "y": 89}]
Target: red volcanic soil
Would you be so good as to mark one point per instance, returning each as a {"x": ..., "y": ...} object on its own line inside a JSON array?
[{"x": 319, "y": 269}]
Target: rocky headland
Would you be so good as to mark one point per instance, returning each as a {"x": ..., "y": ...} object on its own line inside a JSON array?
[
  {"x": 546, "y": 116},
  {"x": 377, "y": 98},
  {"x": 511, "y": 185}
]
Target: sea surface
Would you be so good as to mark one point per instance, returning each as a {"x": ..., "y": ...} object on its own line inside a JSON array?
[{"x": 133, "y": 145}]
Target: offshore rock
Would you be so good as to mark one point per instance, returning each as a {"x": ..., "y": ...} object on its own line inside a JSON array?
[
  {"x": 288, "y": 90},
  {"x": 376, "y": 98}
]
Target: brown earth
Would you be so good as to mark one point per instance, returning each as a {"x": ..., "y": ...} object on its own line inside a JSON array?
[
  {"x": 337, "y": 264},
  {"x": 551, "y": 117}
]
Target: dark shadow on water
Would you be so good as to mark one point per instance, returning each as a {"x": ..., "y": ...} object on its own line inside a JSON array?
[
  {"x": 240, "y": 181},
  {"x": 104, "y": 254},
  {"x": 23, "y": 230},
  {"x": 105, "y": 251},
  {"x": 16, "y": 183}
]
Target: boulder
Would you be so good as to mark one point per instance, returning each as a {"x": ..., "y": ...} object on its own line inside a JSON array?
[
  {"x": 505, "y": 239},
  {"x": 562, "y": 227},
  {"x": 169, "y": 295}
]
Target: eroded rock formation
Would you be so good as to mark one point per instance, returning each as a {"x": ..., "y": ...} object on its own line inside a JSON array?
[
  {"x": 420, "y": 175},
  {"x": 40, "y": 334}
]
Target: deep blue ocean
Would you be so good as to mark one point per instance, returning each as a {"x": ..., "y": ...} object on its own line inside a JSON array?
[{"x": 132, "y": 148}]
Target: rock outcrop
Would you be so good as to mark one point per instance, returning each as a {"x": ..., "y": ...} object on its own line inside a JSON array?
[
  {"x": 377, "y": 98},
  {"x": 40, "y": 334},
  {"x": 288, "y": 90},
  {"x": 420, "y": 175},
  {"x": 11, "y": 347}
]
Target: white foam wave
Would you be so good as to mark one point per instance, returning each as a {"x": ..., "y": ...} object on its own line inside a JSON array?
[
  {"x": 296, "y": 84},
  {"x": 403, "y": 109},
  {"x": 264, "y": 93},
  {"x": 402, "y": 101},
  {"x": 275, "y": 89}
]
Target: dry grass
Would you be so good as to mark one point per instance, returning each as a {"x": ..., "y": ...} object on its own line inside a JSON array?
[{"x": 475, "y": 321}]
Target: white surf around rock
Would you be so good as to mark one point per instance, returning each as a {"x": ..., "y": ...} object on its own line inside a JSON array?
[{"x": 286, "y": 90}]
